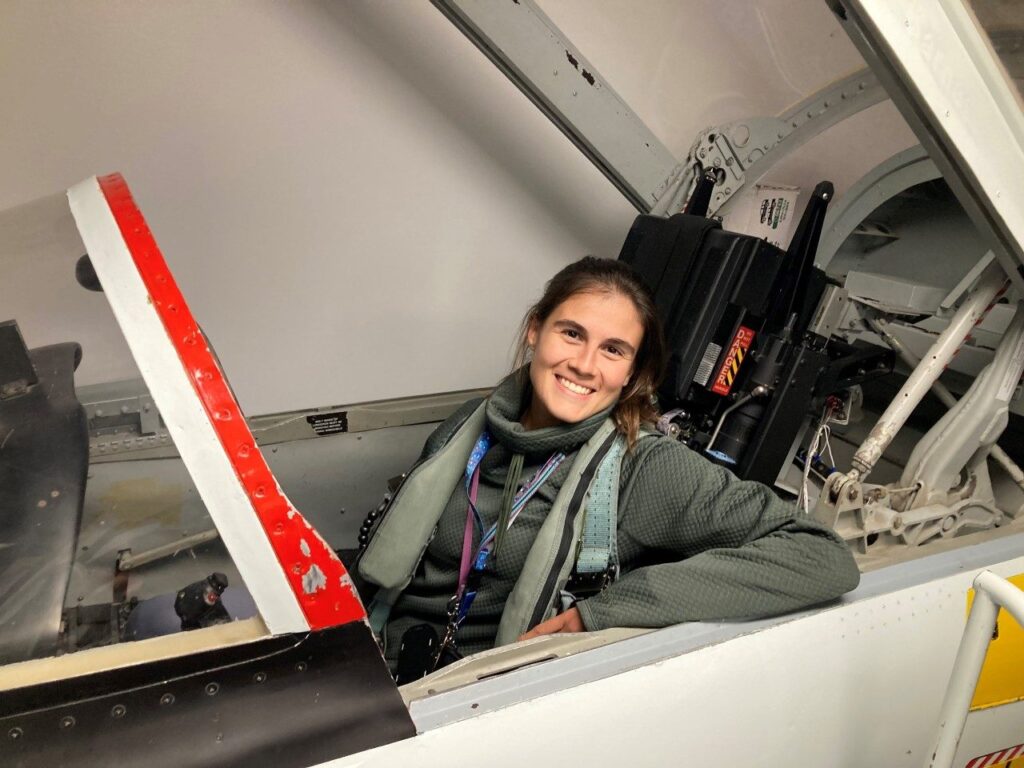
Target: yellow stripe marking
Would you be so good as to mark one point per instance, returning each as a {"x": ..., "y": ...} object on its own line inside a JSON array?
[{"x": 1002, "y": 674}]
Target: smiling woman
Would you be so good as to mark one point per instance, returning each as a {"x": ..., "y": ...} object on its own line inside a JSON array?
[
  {"x": 578, "y": 367},
  {"x": 593, "y": 332},
  {"x": 554, "y": 506}
]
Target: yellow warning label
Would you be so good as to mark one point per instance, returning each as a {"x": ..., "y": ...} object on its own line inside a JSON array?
[
  {"x": 731, "y": 364},
  {"x": 1002, "y": 675}
]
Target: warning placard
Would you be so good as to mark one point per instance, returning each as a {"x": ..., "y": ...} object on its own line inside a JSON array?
[
  {"x": 772, "y": 213},
  {"x": 730, "y": 367},
  {"x": 329, "y": 423}
]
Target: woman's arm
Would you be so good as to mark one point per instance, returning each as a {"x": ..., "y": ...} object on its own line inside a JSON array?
[{"x": 733, "y": 549}]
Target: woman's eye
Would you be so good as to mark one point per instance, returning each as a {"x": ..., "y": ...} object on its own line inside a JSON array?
[
  {"x": 570, "y": 333},
  {"x": 614, "y": 351}
]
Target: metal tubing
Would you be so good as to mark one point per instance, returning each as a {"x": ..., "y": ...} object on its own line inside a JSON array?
[
  {"x": 127, "y": 561},
  {"x": 881, "y": 327},
  {"x": 759, "y": 391},
  {"x": 991, "y": 591},
  {"x": 924, "y": 375}
]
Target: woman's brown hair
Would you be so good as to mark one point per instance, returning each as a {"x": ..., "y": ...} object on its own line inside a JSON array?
[{"x": 592, "y": 275}]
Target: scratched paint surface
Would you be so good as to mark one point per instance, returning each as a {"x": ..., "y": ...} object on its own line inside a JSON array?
[
  {"x": 320, "y": 582},
  {"x": 1002, "y": 674}
]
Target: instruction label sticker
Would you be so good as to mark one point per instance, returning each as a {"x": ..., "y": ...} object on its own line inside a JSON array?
[
  {"x": 771, "y": 213},
  {"x": 734, "y": 358},
  {"x": 329, "y": 423}
]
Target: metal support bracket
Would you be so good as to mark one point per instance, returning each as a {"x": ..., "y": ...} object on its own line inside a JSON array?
[
  {"x": 128, "y": 560},
  {"x": 122, "y": 417},
  {"x": 746, "y": 149}
]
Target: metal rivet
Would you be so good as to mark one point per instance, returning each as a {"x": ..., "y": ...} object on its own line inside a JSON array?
[
  {"x": 300, "y": 667},
  {"x": 259, "y": 677},
  {"x": 15, "y": 734},
  {"x": 167, "y": 698},
  {"x": 211, "y": 689},
  {"x": 67, "y": 722},
  {"x": 118, "y": 711}
]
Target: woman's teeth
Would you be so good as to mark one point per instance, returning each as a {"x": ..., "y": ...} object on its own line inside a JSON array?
[{"x": 573, "y": 386}]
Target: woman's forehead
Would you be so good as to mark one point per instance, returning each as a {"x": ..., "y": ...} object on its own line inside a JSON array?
[{"x": 608, "y": 312}]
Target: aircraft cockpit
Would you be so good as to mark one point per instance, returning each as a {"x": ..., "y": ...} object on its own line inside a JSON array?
[{"x": 836, "y": 256}]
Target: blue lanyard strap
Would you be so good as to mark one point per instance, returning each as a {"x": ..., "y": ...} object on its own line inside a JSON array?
[{"x": 483, "y": 444}]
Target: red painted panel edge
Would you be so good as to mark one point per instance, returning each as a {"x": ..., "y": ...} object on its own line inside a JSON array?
[{"x": 317, "y": 577}]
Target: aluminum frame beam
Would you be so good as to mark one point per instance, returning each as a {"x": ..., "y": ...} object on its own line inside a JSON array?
[{"x": 535, "y": 55}]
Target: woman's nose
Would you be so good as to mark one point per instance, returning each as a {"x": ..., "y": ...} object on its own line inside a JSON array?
[{"x": 585, "y": 361}]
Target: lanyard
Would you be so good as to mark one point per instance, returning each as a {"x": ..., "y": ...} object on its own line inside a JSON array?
[{"x": 472, "y": 567}]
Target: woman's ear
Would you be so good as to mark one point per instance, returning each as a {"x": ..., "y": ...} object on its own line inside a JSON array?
[{"x": 532, "y": 332}]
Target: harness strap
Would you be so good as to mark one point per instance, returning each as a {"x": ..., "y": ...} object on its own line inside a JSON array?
[
  {"x": 599, "y": 544},
  {"x": 379, "y": 609}
]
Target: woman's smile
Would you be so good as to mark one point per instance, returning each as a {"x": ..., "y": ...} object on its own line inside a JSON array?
[{"x": 573, "y": 387}]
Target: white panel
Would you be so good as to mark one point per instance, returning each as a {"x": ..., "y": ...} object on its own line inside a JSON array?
[
  {"x": 856, "y": 685},
  {"x": 355, "y": 202}
]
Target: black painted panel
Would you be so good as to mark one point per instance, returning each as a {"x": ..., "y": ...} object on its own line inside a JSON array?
[
  {"x": 44, "y": 456},
  {"x": 285, "y": 702}
]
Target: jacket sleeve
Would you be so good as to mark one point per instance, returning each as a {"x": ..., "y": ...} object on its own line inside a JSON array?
[{"x": 721, "y": 548}]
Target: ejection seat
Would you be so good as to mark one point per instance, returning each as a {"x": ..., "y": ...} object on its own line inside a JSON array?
[{"x": 748, "y": 327}]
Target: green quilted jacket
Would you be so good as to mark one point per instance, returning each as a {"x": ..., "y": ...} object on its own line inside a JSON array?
[{"x": 694, "y": 543}]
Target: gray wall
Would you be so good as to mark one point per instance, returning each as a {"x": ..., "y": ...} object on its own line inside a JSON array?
[{"x": 357, "y": 205}]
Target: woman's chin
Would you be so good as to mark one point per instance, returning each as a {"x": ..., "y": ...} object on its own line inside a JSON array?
[{"x": 573, "y": 413}]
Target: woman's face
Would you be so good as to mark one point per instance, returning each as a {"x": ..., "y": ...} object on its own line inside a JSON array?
[{"x": 583, "y": 356}]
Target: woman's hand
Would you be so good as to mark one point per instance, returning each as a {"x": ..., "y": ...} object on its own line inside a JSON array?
[{"x": 570, "y": 621}]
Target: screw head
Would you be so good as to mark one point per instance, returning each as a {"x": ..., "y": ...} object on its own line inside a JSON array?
[
  {"x": 167, "y": 699},
  {"x": 211, "y": 689},
  {"x": 851, "y": 493},
  {"x": 300, "y": 667},
  {"x": 259, "y": 677},
  {"x": 67, "y": 722},
  {"x": 118, "y": 711},
  {"x": 15, "y": 733}
]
